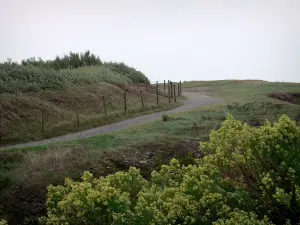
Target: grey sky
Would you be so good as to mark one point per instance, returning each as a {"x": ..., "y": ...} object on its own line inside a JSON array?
[{"x": 165, "y": 39}]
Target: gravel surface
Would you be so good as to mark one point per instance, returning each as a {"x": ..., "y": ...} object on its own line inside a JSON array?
[{"x": 194, "y": 100}]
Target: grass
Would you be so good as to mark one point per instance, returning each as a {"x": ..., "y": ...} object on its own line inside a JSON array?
[
  {"x": 27, "y": 90},
  {"x": 26, "y": 173},
  {"x": 21, "y": 114}
]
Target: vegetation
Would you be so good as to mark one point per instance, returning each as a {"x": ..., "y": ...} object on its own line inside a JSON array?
[
  {"x": 70, "y": 61},
  {"x": 56, "y": 86},
  {"x": 133, "y": 74},
  {"x": 17, "y": 78},
  {"x": 65, "y": 72},
  {"x": 248, "y": 174},
  {"x": 77, "y": 60},
  {"x": 3, "y": 222},
  {"x": 25, "y": 174},
  {"x": 21, "y": 114}
]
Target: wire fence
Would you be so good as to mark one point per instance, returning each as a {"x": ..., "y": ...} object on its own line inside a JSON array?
[{"x": 42, "y": 121}]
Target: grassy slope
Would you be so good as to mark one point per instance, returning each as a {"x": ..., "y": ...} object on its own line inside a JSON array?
[
  {"x": 146, "y": 146},
  {"x": 21, "y": 112}
]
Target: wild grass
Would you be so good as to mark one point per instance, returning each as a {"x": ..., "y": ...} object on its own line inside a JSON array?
[
  {"x": 26, "y": 173},
  {"x": 17, "y": 78},
  {"x": 71, "y": 70},
  {"x": 21, "y": 114}
]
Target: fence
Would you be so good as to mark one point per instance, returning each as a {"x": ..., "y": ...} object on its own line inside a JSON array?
[{"x": 161, "y": 97}]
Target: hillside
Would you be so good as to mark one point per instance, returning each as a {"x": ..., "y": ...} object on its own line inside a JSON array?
[
  {"x": 56, "y": 90},
  {"x": 25, "y": 174}
]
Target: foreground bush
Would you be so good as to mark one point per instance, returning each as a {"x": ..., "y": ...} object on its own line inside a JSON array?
[
  {"x": 64, "y": 72},
  {"x": 3, "y": 222},
  {"x": 248, "y": 176}
]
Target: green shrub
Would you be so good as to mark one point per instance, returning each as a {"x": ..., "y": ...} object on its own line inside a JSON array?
[
  {"x": 249, "y": 175},
  {"x": 72, "y": 60},
  {"x": 130, "y": 72},
  {"x": 165, "y": 118},
  {"x": 3, "y": 222},
  {"x": 16, "y": 78},
  {"x": 63, "y": 72}
]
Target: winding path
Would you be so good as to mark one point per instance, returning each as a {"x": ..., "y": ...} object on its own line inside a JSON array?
[{"x": 194, "y": 100}]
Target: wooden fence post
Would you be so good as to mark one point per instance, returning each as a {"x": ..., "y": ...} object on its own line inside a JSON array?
[
  {"x": 157, "y": 99},
  {"x": 171, "y": 84},
  {"x": 104, "y": 105},
  {"x": 174, "y": 87},
  {"x": 0, "y": 127},
  {"x": 42, "y": 121},
  {"x": 169, "y": 94},
  {"x": 77, "y": 114},
  {"x": 164, "y": 85},
  {"x": 125, "y": 103},
  {"x": 178, "y": 89},
  {"x": 142, "y": 99}
]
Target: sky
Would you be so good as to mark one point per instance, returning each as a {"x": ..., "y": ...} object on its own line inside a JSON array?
[{"x": 165, "y": 39}]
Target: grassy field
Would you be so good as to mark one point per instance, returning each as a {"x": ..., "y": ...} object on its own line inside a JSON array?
[
  {"x": 21, "y": 113},
  {"x": 25, "y": 174}
]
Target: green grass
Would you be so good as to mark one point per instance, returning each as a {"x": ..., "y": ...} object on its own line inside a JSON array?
[
  {"x": 17, "y": 78},
  {"x": 26, "y": 90},
  {"x": 21, "y": 114},
  {"x": 27, "y": 172},
  {"x": 25, "y": 132}
]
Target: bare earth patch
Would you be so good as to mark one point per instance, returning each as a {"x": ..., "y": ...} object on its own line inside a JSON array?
[{"x": 286, "y": 96}]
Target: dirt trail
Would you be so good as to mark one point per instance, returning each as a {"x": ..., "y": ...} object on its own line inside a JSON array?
[{"x": 194, "y": 100}]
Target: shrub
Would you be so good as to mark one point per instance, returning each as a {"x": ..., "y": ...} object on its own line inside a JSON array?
[
  {"x": 130, "y": 72},
  {"x": 72, "y": 69},
  {"x": 3, "y": 222},
  {"x": 16, "y": 78},
  {"x": 263, "y": 161},
  {"x": 165, "y": 118},
  {"x": 249, "y": 176}
]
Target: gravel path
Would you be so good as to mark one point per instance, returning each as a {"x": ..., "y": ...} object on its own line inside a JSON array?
[{"x": 194, "y": 100}]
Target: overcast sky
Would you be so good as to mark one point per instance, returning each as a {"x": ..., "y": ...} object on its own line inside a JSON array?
[{"x": 165, "y": 39}]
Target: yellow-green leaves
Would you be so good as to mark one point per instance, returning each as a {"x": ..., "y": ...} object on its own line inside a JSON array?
[{"x": 282, "y": 197}]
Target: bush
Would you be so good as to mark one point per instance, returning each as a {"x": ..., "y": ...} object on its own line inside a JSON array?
[
  {"x": 3, "y": 222},
  {"x": 165, "y": 118},
  {"x": 16, "y": 78},
  {"x": 249, "y": 176},
  {"x": 63, "y": 72},
  {"x": 130, "y": 72},
  {"x": 264, "y": 161}
]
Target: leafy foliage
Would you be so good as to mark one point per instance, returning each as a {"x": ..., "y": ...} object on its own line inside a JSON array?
[
  {"x": 249, "y": 176},
  {"x": 16, "y": 78},
  {"x": 71, "y": 61},
  {"x": 3, "y": 222},
  {"x": 133, "y": 74}
]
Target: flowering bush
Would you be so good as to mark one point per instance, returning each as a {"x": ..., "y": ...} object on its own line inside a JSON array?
[{"x": 248, "y": 176}]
